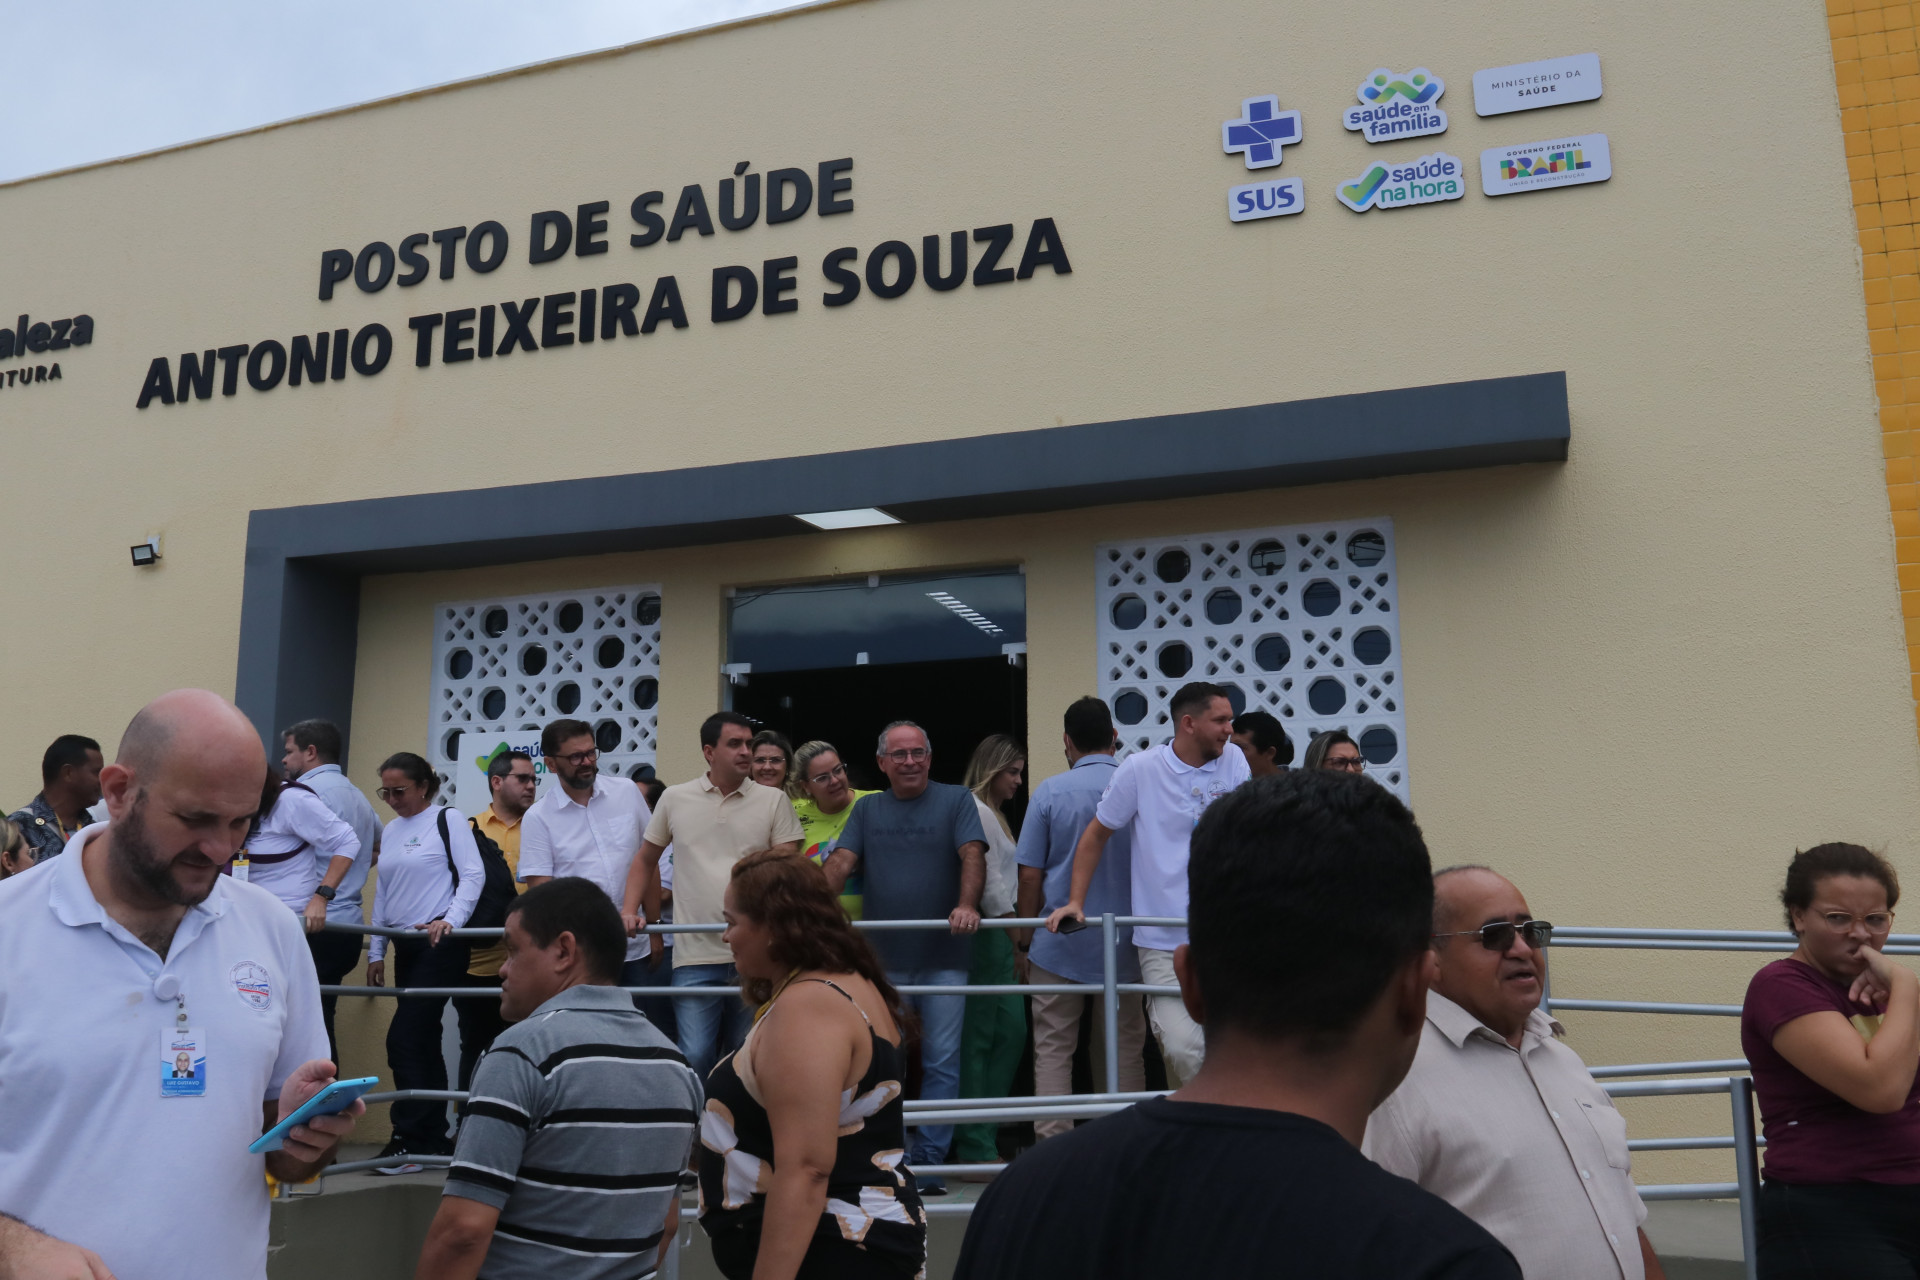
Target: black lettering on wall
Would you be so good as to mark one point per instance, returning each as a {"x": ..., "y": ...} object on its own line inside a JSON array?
[
  {"x": 335, "y": 265},
  {"x": 589, "y": 301},
  {"x": 690, "y": 212},
  {"x": 1044, "y": 249},
  {"x": 339, "y": 354},
  {"x": 159, "y": 382},
  {"x": 265, "y": 374},
  {"x": 832, "y": 182},
  {"x": 654, "y": 225},
  {"x": 309, "y": 359},
  {"x": 82, "y": 330},
  {"x": 519, "y": 327},
  {"x": 590, "y": 229},
  {"x": 423, "y": 327},
  {"x": 372, "y": 348},
  {"x": 749, "y": 210},
  {"x": 996, "y": 239},
  {"x": 618, "y": 315},
  {"x": 416, "y": 262},
  {"x": 877, "y": 269},
  {"x": 459, "y": 332},
  {"x": 230, "y": 375},
  {"x": 448, "y": 238},
  {"x": 556, "y": 317},
  {"x": 60, "y": 342},
  {"x": 551, "y": 235},
  {"x": 39, "y": 335},
  {"x": 836, "y": 274},
  {"x": 665, "y": 305},
  {"x": 930, "y": 262},
  {"x": 494, "y": 236},
  {"x": 725, "y": 307},
  {"x": 781, "y": 209},
  {"x": 776, "y": 281},
  {"x": 486, "y": 332},
  {"x": 374, "y": 267}
]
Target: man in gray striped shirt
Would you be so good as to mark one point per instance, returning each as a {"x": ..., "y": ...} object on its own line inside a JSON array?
[{"x": 581, "y": 1118}]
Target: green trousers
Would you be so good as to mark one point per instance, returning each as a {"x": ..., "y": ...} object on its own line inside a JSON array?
[{"x": 991, "y": 1041}]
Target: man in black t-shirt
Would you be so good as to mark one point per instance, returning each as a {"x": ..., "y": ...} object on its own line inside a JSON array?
[{"x": 1311, "y": 906}]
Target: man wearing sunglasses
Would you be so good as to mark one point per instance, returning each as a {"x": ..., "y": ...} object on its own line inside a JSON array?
[{"x": 1497, "y": 1116}]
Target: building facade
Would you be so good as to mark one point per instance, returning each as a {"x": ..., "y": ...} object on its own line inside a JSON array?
[{"x": 1537, "y": 448}]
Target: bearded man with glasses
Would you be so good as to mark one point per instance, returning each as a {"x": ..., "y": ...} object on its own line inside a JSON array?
[{"x": 1497, "y": 1116}]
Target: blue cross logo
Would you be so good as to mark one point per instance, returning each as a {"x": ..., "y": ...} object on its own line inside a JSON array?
[{"x": 1262, "y": 129}]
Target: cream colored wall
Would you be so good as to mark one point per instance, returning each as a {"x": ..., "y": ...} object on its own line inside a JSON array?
[{"x": 1638, "y": 680}]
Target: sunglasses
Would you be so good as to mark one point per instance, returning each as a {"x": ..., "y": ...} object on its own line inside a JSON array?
[
  {"x": 1499, "y": 935},
  {"x": 393, "y": 793}
]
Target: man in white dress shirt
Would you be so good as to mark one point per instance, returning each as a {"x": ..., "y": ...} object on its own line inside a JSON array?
[
  {"x": 1500, "y": 1119},
  {"x": 588, "y": 826},
  {"x": 111, "y": 1161}
]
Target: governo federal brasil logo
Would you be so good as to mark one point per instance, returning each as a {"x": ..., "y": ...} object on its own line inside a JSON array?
[
  {"x": 1426, "y": 180},
  {"x": 1394, "y": 106}
]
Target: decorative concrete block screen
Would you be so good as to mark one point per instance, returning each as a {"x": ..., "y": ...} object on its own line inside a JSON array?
[
  {"x": 510, "y": 666},
  {"x": 1300, "y": 621}
]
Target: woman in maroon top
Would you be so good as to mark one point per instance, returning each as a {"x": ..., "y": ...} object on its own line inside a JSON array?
[{"x": 1833, "y": 1036}]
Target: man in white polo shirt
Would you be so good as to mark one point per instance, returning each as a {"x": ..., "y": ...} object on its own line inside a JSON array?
[
  {"x": 157, "y": 955},
  {"x": 712, "y": 822},
  {"x": 588, "y": 826},
  {"x": 1161, "y": 794}
]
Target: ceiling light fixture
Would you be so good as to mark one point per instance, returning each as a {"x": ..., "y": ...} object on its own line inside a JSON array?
[
  {"x": 966, "y": 612},
  {"x": 852, "y": 518}
]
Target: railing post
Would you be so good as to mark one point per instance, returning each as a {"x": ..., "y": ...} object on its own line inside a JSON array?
[
  {"x": 1110, "y": 999},
  {"x": 1746, "y": 1158}
]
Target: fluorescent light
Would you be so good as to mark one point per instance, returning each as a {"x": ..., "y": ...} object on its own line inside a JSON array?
[
  {"x": 967, "y": 613},
  {"x": 854, "y": 518}
]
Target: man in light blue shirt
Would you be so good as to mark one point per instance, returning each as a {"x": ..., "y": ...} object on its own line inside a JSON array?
[
  {"x": 313, "y": 749},
  {"x": 1061, "y": 808}
]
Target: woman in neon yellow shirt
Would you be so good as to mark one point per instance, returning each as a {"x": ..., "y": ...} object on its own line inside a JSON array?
[{"x": 824, "y": 801}]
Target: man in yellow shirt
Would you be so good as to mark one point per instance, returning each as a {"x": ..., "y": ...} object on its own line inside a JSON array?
[{"x": 511, "y": 779}]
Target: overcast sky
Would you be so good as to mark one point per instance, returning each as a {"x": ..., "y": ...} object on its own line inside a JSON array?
[{"x": 89, "y": 80}]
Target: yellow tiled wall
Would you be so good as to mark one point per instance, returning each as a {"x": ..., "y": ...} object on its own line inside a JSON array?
[{"x": 1877, "y": 66}]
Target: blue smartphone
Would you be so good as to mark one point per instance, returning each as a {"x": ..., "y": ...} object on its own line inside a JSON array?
[{"x": 332, "y": 1100}]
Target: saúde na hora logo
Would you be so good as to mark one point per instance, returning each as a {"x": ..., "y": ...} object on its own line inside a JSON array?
[
  {"x": 1394, "y": 106},
  {"x": 1426, "y": 180}
]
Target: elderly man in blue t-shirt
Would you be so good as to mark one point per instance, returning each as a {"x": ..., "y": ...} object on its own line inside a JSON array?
[
  {"x": 1061, "y": 808},
  {"x": 921, "y": 849}
]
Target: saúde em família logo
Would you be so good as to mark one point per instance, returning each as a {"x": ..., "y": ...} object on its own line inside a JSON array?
[
  {"x": 1427, "y": 180},
  {"x": 1394, "y": 106}
]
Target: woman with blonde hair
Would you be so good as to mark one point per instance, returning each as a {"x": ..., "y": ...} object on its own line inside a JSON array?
[
  {"x": 823, "y": 800},
  {"x": 802, "y": 1150},
  {"x": 995, "y": 1031},
  {"x": 14, "y": 856}
]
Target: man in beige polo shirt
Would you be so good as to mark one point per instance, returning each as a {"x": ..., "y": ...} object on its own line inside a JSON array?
[
  {"x": 1499, "y": 1118},
  {"x": 712, "y": 823}
]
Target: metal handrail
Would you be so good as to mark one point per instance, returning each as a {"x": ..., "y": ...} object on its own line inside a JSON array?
[{"x": 1744, "y": 1142}]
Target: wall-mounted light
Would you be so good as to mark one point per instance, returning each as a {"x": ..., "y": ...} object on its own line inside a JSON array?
[{"x": 146, "y": 554}]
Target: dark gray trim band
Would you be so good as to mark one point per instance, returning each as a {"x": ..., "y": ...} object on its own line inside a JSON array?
[{"x": 299, "y": 610}]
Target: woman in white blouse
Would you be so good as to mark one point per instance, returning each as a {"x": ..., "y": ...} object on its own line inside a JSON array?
[
  {"x": 421, "y": 851},
  {"x": 996, "y": 1027}
]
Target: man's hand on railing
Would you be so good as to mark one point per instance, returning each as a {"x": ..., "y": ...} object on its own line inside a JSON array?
[
  {"x": 634, "y": 920},
  {"x": 376, "y": 973},
  {"x": 1072, "y": 911},
  {"x": 964, "y": 920},
  {"x": 437, "y": 930}
]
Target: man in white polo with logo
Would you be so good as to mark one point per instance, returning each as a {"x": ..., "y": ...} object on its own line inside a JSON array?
[
  {"x": 1161, "y": 794},
  {"x": 113, "y": 1161}
]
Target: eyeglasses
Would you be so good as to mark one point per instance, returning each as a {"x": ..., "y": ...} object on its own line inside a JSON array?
[
  {"x": 822, "y": 779},
  {"x": 1842, "y": 921},
  {"x": 906, "y": 754},
  {"x": 579, "y": 758},
  {"x": 1498, "y": 936},
  {"x": 529, "y": 776},
  {"x": 1350, "y": 764},
  {"x": 394, "y": 793}
]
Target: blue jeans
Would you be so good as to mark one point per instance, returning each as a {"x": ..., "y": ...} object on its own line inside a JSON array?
[
  {"x": 657, "y": 1009},
  {"x": 941, "y": 1019},
  {"x": 702, "y": 1037}
]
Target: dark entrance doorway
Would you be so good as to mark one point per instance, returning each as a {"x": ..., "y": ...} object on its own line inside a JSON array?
[
  {"x": 958, "y": 702},
  {"x": 839, "y": 660}
]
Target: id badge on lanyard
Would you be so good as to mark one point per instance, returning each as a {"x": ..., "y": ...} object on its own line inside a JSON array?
[{"x": 183, "y": 1048}]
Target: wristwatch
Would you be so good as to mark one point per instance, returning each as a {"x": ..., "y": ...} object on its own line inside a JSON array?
[{"x": 326, "y": 891}]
